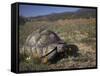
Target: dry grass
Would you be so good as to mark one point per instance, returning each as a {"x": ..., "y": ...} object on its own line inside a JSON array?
[{"x": 81, "y": 32}]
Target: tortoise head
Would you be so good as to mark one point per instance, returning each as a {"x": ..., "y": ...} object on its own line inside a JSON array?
[{"x": 61, "y": 47}]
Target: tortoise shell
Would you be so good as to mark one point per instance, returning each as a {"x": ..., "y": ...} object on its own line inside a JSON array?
[{"x": 43, "y": 44}]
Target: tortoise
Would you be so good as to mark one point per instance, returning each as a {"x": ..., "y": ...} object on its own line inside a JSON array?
[{"x": 45, "y": 45}]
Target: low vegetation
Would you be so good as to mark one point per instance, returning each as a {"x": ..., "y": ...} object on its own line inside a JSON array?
[{"x": 81, "y": 32}]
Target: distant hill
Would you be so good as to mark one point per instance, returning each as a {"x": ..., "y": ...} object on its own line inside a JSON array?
[
  {"x": 54, "y": 16},
  {"x": 81, "y": 13},
  {"x": 85, "y": 13}
]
